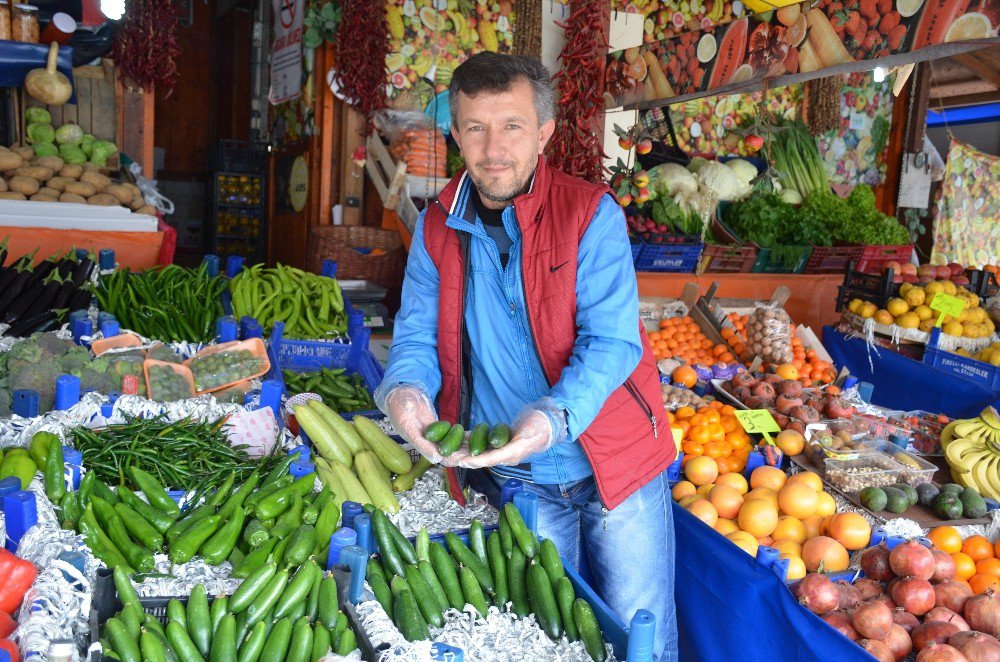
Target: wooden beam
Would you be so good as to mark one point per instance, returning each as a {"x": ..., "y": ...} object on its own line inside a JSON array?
[
  {"x": 972, "y": 62},
  {"x": 921, "y": 86},
  {"x": 965, "y": 100},
  {"x": 352, "y": 178}
]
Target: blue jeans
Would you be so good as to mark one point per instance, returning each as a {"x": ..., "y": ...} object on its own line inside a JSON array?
[{"x": 630, "y": 549}]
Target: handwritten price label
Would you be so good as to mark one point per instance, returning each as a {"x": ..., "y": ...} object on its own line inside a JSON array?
[
  {"x": 947, "y": 305},
  {"x": 757, "y": 421}
]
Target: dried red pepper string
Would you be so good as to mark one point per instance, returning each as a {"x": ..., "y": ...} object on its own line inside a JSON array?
[
  {"x": 361, "y": 49},
  {"x": 576, "y": 147},
  {"x": 146, "y": 46}
]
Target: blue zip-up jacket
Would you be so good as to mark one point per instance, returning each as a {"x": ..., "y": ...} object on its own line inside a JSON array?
[{"x": 506, "y": 372}]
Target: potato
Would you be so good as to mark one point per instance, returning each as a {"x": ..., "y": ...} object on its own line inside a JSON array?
[
  {"x": 136, "y": 193},
  {"x": 53, "y": 162},
  {"x": 80, "y": 188},
  {"x": 41, "y": 197},
  {"x": 103, "y": 200},
  {"x": 26, "y": 153},
  {"x": 24, "y": 185},
  {"x": 138, "y": 202},
  {"x": 40, "y": 173},
  {"x": 149, "y": 210},
  {"x": 9, "y": 161},
  {"x": 72, "y": 197},
  {"x": 122, "y": 193},
  {"x": 71, "y": 170},
  {"x": 91, "y": 167},
  {"x": 99, "y": 181},
  {"x": 12, "y": 195},
  {"x": 59, "y": 182},
  {"x": 48, "y": 190},
  {"x": 3, "y": 185}
]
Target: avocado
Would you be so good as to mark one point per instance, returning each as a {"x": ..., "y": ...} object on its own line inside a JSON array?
[
  {"x": 952, "y": 488},
  {"x": 873, "y": 498},
  {"x": 948, "y": 506},
  {"x": 926, "y": 493},
  {"x": 909, "y": 491},
  {"x": 896, "y": 500},
  {"x": 972, "y": 503}
]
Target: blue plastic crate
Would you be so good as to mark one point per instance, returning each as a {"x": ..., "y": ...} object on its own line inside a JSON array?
[
  {"x": 636, "y": 244},
  {"x": 980, "y": 372},
  {"x": 672, "y": 258}
]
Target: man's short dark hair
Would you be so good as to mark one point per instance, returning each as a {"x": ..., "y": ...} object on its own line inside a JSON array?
[{"x": 495, "y": 73}]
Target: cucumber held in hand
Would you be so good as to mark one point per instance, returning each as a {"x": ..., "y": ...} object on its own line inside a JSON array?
[
  {"x": 477, "y": 439},
  {"x": 436, "y": 431},
  {"x": 499, "y": 435},
  {"x": 452, "y": 441}
]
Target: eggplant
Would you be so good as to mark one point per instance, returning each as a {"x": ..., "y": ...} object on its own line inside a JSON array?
[
  {"x": 28, "y": 325},
  {"x": 64, "y": 295},
  {"x": 82, "y": 272},
  {"x": 66, "y": 266},
  {"x": 35, "y": 300},
  {"x": 43, "y": 270},
  {"x": 80, "y": 301},
  {"x": 14, "y": 289}
]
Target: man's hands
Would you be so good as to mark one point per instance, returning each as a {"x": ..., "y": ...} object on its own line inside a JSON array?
[
  {"x": 410, "y": 411},
  {"x": 538, "y": 427}
]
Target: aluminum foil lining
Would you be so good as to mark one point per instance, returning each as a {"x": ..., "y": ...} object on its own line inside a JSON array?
[
  {"x": 169, "y": 580},
  {"x": 428, "y": 505},
  {"x": 901, "y": 526}
]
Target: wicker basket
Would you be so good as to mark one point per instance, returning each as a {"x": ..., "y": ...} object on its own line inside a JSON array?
[{"x": 338, "y": 242}]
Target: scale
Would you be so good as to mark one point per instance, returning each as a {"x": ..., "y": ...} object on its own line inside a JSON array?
[{"x": 367, "y": 297}]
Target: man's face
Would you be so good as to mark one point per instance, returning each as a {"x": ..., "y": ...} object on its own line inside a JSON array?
[{"x": 500, "y": 140}]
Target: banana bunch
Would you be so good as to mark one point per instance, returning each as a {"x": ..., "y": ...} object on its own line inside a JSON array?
[
  {"x": 394, "y": 18},
  {"x": 972, "y": 448},
  {"x": 421, "y": 63},
  {"x": 466, "y": 35}
]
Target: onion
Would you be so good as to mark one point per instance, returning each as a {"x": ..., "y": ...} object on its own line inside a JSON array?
[
  {"x": 817, "y": 594},
  {"x": 872, "y": 620},
  {"x": 911, "y": 559},
  {"x": 944, "y": 566},
  {"x": 899, "y": 642},
  {"x": 945, "y": 615},
  {"x": 877, "y": 649},
  {"x": 904, "y": 619},
  {"x": 850, "y": 597},
  {"x": 841, "y": 622},
  {"x": 914, "y": 595},
  {"x": 869, "y": 588},
  {"x": 976, "y": 646},
  {"x": 936, "y": 652},
  {"x": 935, "y": 631},
  {"x": 952, "y": 595},
  {"x": 982, "y": 612},
  {"x": 875, "y": 563}
]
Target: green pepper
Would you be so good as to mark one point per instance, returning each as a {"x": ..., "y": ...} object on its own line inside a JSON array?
[
  {"x": 87, "y": 487},
  {"x": 290, "y": 519},
  {"x": 237, "y": 498},
  {"x": 254, "y": 559},
  {"x": 223, "y": 491},
  {"x": 55, "y": 480},
  {"x": 155, "y": 493},
  {"x": 41, "y": 444},
  {"x": 267, "y": 490},
  {"x": 280, "y": 470},
  {"x": 70, "y": 507},
  {"x": 102, "y": 490},
  {"x": 187, "y": 544},
  {"x": 218, "y": 547}
]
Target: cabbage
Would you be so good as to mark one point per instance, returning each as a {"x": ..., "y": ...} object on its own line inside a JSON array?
[
  {"x": 87, "y": 143},
  {"x": 72, "y": 154},
  {"x": 722, "y": 182},
  {"x": 669, "y": 179},
  {"x": 69, "y": 134},
  {"x": 743, "y": 169},
  {"x": 41, "y": 133},
  {"x": 36, "y": 115},
  {"x": 45, "y": 149},
  {"x": 100, "y": 152},
  {"x": 791, "y": 196}
]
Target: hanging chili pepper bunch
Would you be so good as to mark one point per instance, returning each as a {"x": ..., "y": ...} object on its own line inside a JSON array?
[
  {"x": 361, "y": 48},
  {"x": 576, "y": 147},
  {"x": 146, "y": 47}
]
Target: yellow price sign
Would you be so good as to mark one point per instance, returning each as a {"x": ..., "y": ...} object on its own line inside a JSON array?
[
  {"x": 757, "y": 421},
  {"x": 946, "y": 305}
]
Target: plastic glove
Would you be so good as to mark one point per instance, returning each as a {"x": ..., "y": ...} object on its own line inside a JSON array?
[
  {"x": 537, "y": 428},
  {"x": 410, "y": 411}
]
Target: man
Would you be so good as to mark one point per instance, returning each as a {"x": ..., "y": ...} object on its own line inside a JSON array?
[{"x": 520, "y": 306}]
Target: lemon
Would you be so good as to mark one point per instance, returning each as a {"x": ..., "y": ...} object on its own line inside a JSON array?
[
  {"x": 994, "y": 359},
  {"x": 927, "y": 325},
  {"x": 907, "y": 8},
  {"x": 969, "y": 26},
  {"x": 855, "y": 305},
  {"x": 953, "y": 328},
  {"x": 949, "y": 287},
  {"x": 883, "y": 316},
  {"x": 932, "y": 288},
  {"x": 867, "y": 310},
  {"x": 897, "y": 306},
  {"x": 904, "y": 288},
  {"x": 924, "y": 312},
  {"x": 908, "y": 320},
  {"x": 707, "y": 48},
  {"x": 914, "y": 297}
]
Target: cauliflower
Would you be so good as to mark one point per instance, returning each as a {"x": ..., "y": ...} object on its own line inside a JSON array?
[
  {"x": 722, "y": 182},
  {"x": 743, "y": 169},
  {"x": 791, "y": 196},
  {"x": 669, "y": 179},
  {"x": 696, "y": 164}
]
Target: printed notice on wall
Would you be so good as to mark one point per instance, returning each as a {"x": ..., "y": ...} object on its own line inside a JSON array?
[{"x": 286, "y": 52}]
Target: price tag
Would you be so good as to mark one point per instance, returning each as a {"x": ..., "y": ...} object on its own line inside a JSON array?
[
  {"x": 757, "y": 421},
  {"x": 947, "y": 305}
]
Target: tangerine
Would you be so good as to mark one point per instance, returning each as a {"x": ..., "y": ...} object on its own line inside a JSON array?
[
  {"x": 758, "y": 517},
  {"x": 786, "y": 371},
  {"x": 770, "y": 477},
  {"x": 965, "y": 567},
  {"x": 977, "y": 547},
  {"x": 980, "y": 583},
  {"x": 946, "y": 538},
  {"x": 685, "y": 376}
]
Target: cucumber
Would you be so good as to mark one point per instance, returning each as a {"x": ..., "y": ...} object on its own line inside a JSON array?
[
  {"x": 506, "y": 537},
  {"x": 126, "y": 646},
  {"x": 382, "y": 592},
  {"x": 425, "y": 599},
  {"x": 327, "y": 609},
  {"x": 126, "y": 592},
  {"x": 437, "y": 431},
  {"x": 427, "y": 570},
  {"x": 151, "y": 648},
  {"x": 253, "y": 645},
  {"x": 348, "y": 642},
  {"x": 181, "y": 641},
  {"x": 219, "y": 608},
  {"x": 312, "y": 601},
  {"x": 300, "y": 649},
  {"x": 477, "y": 439},
  {"x": 549, "y": 557},
  {"x": 403, "y": 546},
  {"x": 353, "y": 489},
  {"x": 498, "y": 566},
  {"x": 499, "y": 435},
  {"x": 199, "y": 624},
  {"x": 477, "y": 540},
  {"x": 452, "y": 441},
  {"x": 264, "y": 602},
  {"x": 565, "y": 595},
  {"x": 516, "y": 567},
  {"x": 150, "y": 623},
  {"x": 380, "y": 527},
  {"x": 175, "y": 613},
  {"x": 375, "y": 482},
  {"x": 465, "y": 557},
  {"x": 471, "y": 590},
  {"x": 276, "y": 646},
  {"x": 224, "y": 641},
  {"x": 375, "y": 568},
  {"x": 423, "y": 545},
  {"x": 301, "y": 545},
  {"x": 339, "y": 629},
  {"x": 406, "y": 615},
  {"x": 321, "y": 641},
  {"x": 519, "y": 530},
  {"x": 388, "y": 451},
  {"x": 543, "y": 600},
  {"x": 297, "y": 589},
  {"x": 250, "y": 587},
  {"x": 444, "y": 568},
  {"x": 297, "y": 612},
  {"x": 590, "y": 631},
  {"x": 131, "y": 615}
]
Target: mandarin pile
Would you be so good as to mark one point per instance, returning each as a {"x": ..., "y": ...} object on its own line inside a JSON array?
[{"x": 680, "y": 337}]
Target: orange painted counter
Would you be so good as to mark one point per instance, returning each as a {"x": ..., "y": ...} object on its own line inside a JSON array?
[
  {"x": 135, "y": 250},
  {"x": 812, "y": 302}
]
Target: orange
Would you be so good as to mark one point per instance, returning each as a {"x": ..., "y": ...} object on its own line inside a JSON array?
[
  {"x": 978, "y": 548},
  {"x": 787, "y": 371},
  {"x": 980, "y": 583},
  {"x": 789, "y": 529},
  {"x": 727, "y": 501},
  {"x": 797, "y": 500},
  {"x": 682, "y": 489},
  {"x": 965, "y": 567},
  {"x": 684, "y": 412},
  {"x": 791, "y": 442},
  {"x": 765, "y": 541},
  {"x": 813, "y": 526},
  {"x": 758, "y": 518},
  {"x": 770, "y": 477},
  {"x": 796, "y": 568},
  {"x": 726, "y": 526},
  {"x": 996, "y": 551},
  {"x": 685, "y": 376},
  {"x": 704, "y": 490},
  {"x": 787, "y": 548},
  {"x": 763, "y": 494},
  {"x": 701, "y": 470},
  {"x": 744, "y": 541},
  {"x": 688, "y": 500},
  {"x": 734, "y": 480},
  {"x": 825, "y": 504},
  {"x": 704, "y": 511},
  {"x": 810, "y": 478},
  {"x": 851, "y": 530},
  {"x": 826, "y": 553},
  {"x": 946, "y": 538},
  {"x": 988, "y": 567}
]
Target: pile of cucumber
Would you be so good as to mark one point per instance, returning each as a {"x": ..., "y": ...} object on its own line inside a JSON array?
[
  {"x": 510, "y": 569},
  {"x": 449, "y": 437},
  {"x": 271, "y": 617}
]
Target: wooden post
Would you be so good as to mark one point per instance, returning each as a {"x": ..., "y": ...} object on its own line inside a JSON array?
[
  {"x": 352, "y": 178},
  {"x": 135, "y": 125}
]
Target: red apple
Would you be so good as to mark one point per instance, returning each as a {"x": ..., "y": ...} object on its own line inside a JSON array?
[
  {"x": 897, "y": 278},
  {"x": 910, "y": 278},
  {"x": 943, "y": 272},
  {"x": 895, "y": 266},
  {"x": 925, "y": 279},
  {"x": 956, "y": 269},
  {"x": 643, "y": 196},
  {"x": 645, "y": 146},
  {"x": 927, "y": 271},
  {"x": 960, "y": 280},
  {"x": 908, "y": 268},
  {"x": 625, "y": 142},
  {"x": 753, "y": 143},
  {"x": 625, "y": 200}
]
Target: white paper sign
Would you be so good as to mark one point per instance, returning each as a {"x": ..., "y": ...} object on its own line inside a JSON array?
[
  {"x": 286, "y": 51},
  {"x": 915, "y": 182}
]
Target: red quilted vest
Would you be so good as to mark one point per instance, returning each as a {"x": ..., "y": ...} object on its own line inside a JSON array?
[{"x": 629, "y": 442}]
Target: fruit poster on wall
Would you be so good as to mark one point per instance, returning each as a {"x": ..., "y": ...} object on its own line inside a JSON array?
[
  {"x": 429, "y": 38},
  {"x": 839, "y": 36},
  {"x": 967, "y": 215},
  {"x": 664, "y": 20}
]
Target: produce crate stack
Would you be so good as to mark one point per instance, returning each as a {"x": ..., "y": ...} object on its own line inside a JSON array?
[
  {"x": 238, "y": 200},
  {"x": 878, "y": 288},
  {"x": 727, "y": 259}
]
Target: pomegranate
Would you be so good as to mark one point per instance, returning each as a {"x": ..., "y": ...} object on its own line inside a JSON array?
[
  {"x": 946, "y": 615},
  {"x": 817, "y": 594},
  {"x": 872, "y": 620},
  {"x": 914, "y": 595},
  {"x": 944, "y": 566},
  {"x": 875, "y": 563},
  {"x": 850, "y": 597},
  {"x": 899, "y": 642},
  {"x": 841, "y": 622},
  {"x": 884, "y": 599},
  {"x": 869, "y": 588},
  {"x": 904, "y": 619},
  {"x": 976, "y": 646},
  {"x": 982, "y": 612},
  {"x": 911, "y": 559},
  {"x": 877, "y": 649},
  {"x": 952, "y": 595},
  {"x": 936, "y": 652},
  {"x": 935, "y": 631}
]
